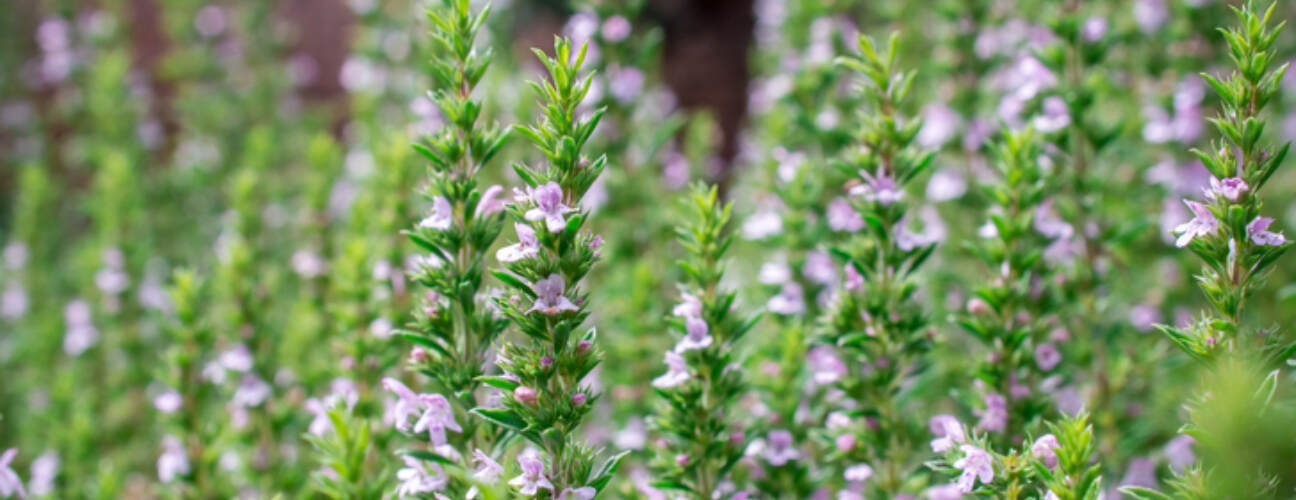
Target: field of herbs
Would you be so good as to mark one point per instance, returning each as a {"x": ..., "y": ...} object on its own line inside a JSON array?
[{"x": 944, "y": 249}]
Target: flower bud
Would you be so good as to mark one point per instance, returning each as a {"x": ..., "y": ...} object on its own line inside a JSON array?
[{"x": 526, "y": 395}]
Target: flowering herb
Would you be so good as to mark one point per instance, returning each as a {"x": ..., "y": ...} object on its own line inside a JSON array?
[
  {"x": 698, "y": 419},
  {"x": 545, "y": 370}
]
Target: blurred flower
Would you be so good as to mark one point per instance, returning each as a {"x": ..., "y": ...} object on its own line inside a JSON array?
[
  {"x": 626, "y": 84},
  {"x": 438, "y": 417},
  {"x": 1056, "y": 116},
  {"x": 10, "y": 483},
  {"x": 1045, "y": 450},
  {"x": 416, "y": 480},
  {"x": 881, "y": 189},
  {"x": 789, "y": 302},
  {"x": 762, "y": 225},
  {"x": 81, "y": 334},
  {"x": 1094, "y": 30},
  {"x": 781, "y": 448},
  {"x": 940, "y": 124},
  {"x": 616, "y": 29},
  {"x": 1151, "y": 14},
  {"x": 948, "y": 431},
  {"x": 976, "y": 465},
  {"x": 1047, "y": 357},
  {"x": 819, "y": 268},
  {"x": 1179, "y": 453},
  {"x": 995, "y": 416},
  {"x": 859, "y": 473},
  {"x": 174, "y": 460},
  {"x": 843, "y": 218},
  {"x": 442, "y": 216},
  {"x": 44, "y": 473},
  {"x": 1230, "y": 189},
  {"x": 689, "y": 306},
  {"x": 252, "y": 392},
  {"x": 945, "y": 185},
  {"x": 14, "y": 302},
  {"x": 532, "y": 479},
  {"x": 827, "y": 367},
  {"x": 168, "y": 402},
  {"x": 698, "y": 337},
  {"x": 676, "y": 372}
]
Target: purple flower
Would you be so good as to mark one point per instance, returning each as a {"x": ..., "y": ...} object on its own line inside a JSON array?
[
  {"x": 172, "y": 463},
  {"x": 416, "y": 480},
  {"x": 407, "y": 403},
  {"x": 689, "y": 307},
  {"x": 940, "y": 125},
  {"x": 526, "y": 395},
  {"x": 945, "y": 185},
  {"x": 1045, "y": 449},
  {"x": 1258, "y": 229},
  {"x": 441, "y": 217},
  {"x": 1144, "y": 317},
  {"x": 819, "y": 268},
  {"x": 1231, "y": 189},
  {"x": 238, "y": 359},
  {"x": 948, "y": 431},
  {"x": 550, "y": 296},
  {"x": 1047, "y": 357},
  {"x": 1151, "y": 15},
  {"x": 854, "y": 280},
  {"x": 490, "y": 203},
  {"x": 10, "y": 483},
  {"x": 699, "y": 336},
  {"x": 945, "y": 492},
  {"x": 81, "y": 333},
  {"x": 791, "y": 301},
  {"x": 677, "y": 372},
  {"x": 1094, "y": 30},
  {"x": 438, "y": 416},
  {"x": 907, "y": 240},
  {"x": 781, "y": 448},
  {"x": 321, "y": 424},
  {"x": 527, "y": 247},
  {"x": 843, "y": 218},
  {"x": 583, "y": 493},
  {"x": 626, "y": 84},
  {"x": 1049, "y": 224},
  {"x": 775, "y": 273},
  {"x": 532, "y": 479},
  {"x": 549, "y": 207},
  {"x": 859, "y": 473},
  {"x": 14, "y": 302},
  {"x": 488, "y": 470},
  {"x": 1056, "y": 117},
  {"x": 762, "y": 225},
  {"x": 976, "y": 465},
  {"x": 44, "y": 471},
  {"x": 1179, "y": 452},
  {"x": 616, "y": 29},
  {"x": 1203, "y": 224},
  {"x": 827, "y": 367},
  {"x": 995, "y": 417},
  {"x": 168, "y": 402},
  {"x": 252, "y": 392},
  {"x": 881, "y": 189}
]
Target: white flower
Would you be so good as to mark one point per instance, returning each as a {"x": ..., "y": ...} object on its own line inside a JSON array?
[
  {"x": 527, "y": 247},
  {"x": 677, "y": 372},
  {"x": 442, "y": 216},
  {"x": 174, "y": 460},
  {"x": 415, "y": 479}
]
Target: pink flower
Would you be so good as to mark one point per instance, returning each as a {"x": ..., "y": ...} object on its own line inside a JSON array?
[
  {"x": 168, "y": 402},
  {"x": 689, "y": 307},
  {"x": 550, "y": 296},
  {"x": 490, "y": 202},
  {"x": 416, "y": 480},
  {"x": 1179, "y": 452},
  {"x": 854, "y": 280},
  {"x": 438, "y": 416},
  {"x": 1094, "y": 30},
  {"x": 1047, "y": 357},
  {"x": 859, "y": 473},
  {"x": 819, "y": 268},
  {"x": 1231, "y": 189},
  {"x": 172, "y": 463},
  {"x": 532, "y": 479},
  {"x": 1045, "y": 449},
  {"x": 677, "y": 372},
  {"x": 945, "y": 492},
  {"x": 843, "y": 218},
  {"x": 995, "y": 416},
  {"x": 10, "y": 483},
  {"x": 1258, "y": 229},
  {"x": 949, "y": 433},
  {"x": 526, "y": 395},
  {"x": 441, "y": 217},
  {"x": 527, "y": 247},
  {"x": 699, "y": 336},
  {"x": 407, "y": 403},
  {"x": 791, "y": 301},
  {"x": 549, "y": 207},
  {"x": 881, "y": 189},
  {"x": 827, "y": 367},
  {"x": 782, "y": 448},
  {"x": 1203, "y": 224},
  {"x": 976, "y": 465},
  {"x": 585, "y": 493}
]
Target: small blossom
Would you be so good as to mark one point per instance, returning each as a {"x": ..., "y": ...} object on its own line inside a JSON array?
[
  {"x": 1203, "y": 224},
  {"x": 677, "y": 372},
  {"x": 579, "y": 399},
  {"x": 945, "y": 492},
  {"x": 819, "y": 268},
  {"x": 995, "y": 416},
  {"x": 10, "y": 483},
  {"x": 843, "y": 218},
  {"x": 14, "y": 303},
  {"x": 827, "y": 367},
  {"x": 532, "y": 479},
  {"x": 81, "y": 333},
  {"x": 173, "y": 462},
  {"x": 585, "y": 493},
  {"x": 775, "y": 273},
  {"x": 549, "y": 207},
  {"x": 438, "y": 417},
  {"x": 406, "y": 406},
  {"x": 1178, "y": 452},
  {"x": 846, "y": 443},
  {"x": 1259, "y": 232},
  {"x": 488, "y": 470},
  {"x": 168, "y": 402},
  {"x": 1094, "y": 30},
  {"x": 1056, "y": 117},
  {"x": 416, "y": 480},
  {"x": 791, "y": 301},
  {"x": 320, "y": 424},
  {"x": 1230, "y": 189},
  {"x": 252, "y": 392},
  {"x": 490, "y": 203},
  {"x": 238, "y": 359},
  {"x": 854, "y": 280},
  {"x": 781, "y": 449},
  {"x": 1047, "y": 357},
  {"x": 762, "y": 225},
  {"x": 550, "y": 296},
  {"x": 949, "y": 433},
  {"x": 859, "y": 473},
  {"x": 976, "y": 465},
  {"x": 699, "y": 336},
  {"x": 527, "y": 247},
  {"x": 442, "y": 216},
  {"x": 44, "y": 472},
  {"x": 881, "y": 189},
  {"x": 689, "y": 307},
  {"x": 526, "y": 395},
  {"x": 946, "y": 185},
  {"x": 1045, "y": 450}
]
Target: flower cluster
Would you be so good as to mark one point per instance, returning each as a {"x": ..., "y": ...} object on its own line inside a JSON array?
[{"x": 1058, "y": 465}]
